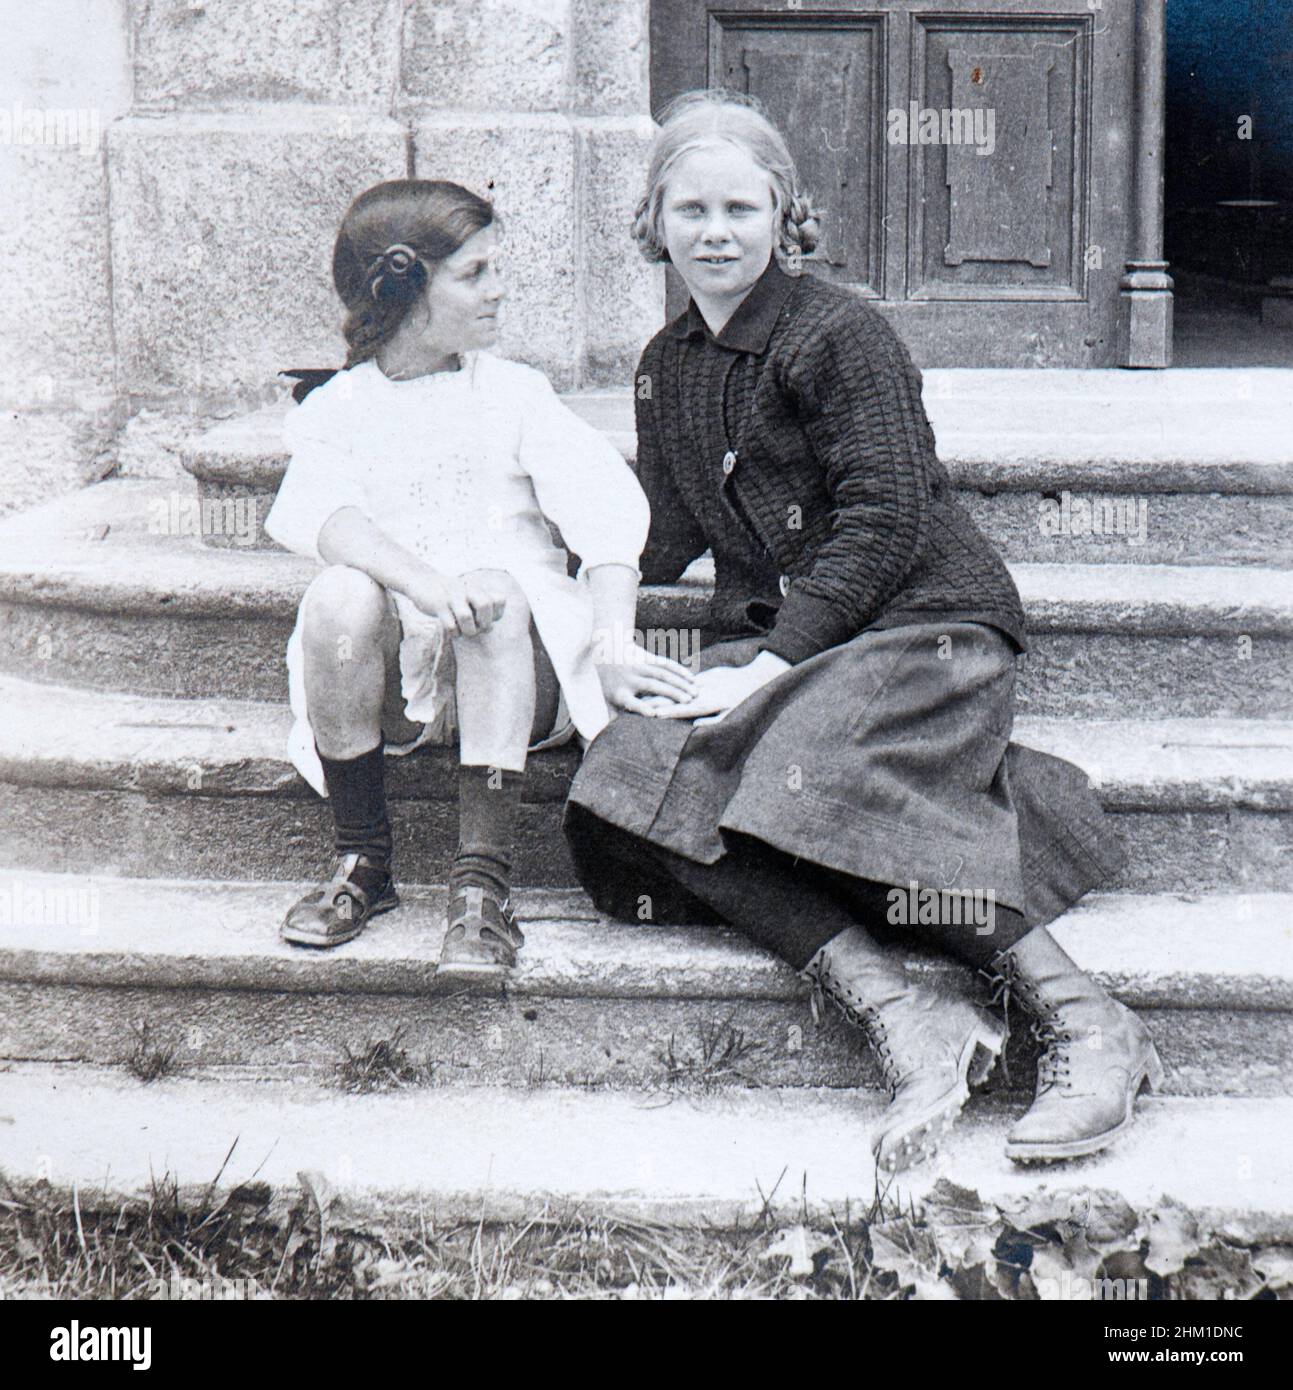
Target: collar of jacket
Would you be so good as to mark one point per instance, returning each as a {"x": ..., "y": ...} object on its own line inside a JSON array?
[{"x": 750, "y": 327}]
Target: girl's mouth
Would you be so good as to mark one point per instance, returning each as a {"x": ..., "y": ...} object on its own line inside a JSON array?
[{"x": 716, "y": 260}]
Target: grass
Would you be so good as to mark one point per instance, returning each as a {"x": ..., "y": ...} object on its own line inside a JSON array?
[
  {"x": 246, "y": 1244},
  {"x": 297, "y": 1244},
  {"x": 384, "y": 1065},
  {"x": 148, "y": 1060},
  {"x": 720, "y": 1055}
]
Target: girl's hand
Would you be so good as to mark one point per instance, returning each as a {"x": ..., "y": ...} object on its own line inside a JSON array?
[
  {"x": 633, "y": 672},
  {"x": 464, "y": 605},
  {"x": 721, "y": 688}
]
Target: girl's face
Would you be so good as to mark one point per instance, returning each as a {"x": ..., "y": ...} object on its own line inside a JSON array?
[
  {"x": 463, "y": 296},
  {"x": 717, "y": 217}
]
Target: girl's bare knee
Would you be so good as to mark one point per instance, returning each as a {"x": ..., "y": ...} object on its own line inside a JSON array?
[{"x": 343, "y": 602}]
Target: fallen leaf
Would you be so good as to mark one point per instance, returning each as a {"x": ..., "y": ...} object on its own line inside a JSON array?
[
  {"x": 1064, "y": 1212},
  {"x": 318, "y": 1189},
  {"x": 965, "y": 1228},
  {"x": 1065, "y": 1270},
  {"x": 905, "y": 1250},
  {"x": 1219, "y": 1272},
  {"x": 800, "y": 1245},
  {"x": 1276, "y": 1266},
  {"x": 1173, "y": 1236},
  {"x": 1111, "y": 1223}
]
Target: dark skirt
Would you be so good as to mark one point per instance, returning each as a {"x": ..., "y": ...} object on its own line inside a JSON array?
[{"x": 887, "y": 758}]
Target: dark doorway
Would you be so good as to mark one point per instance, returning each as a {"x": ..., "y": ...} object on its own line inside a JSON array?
[{"x": 1228, "y": 227}]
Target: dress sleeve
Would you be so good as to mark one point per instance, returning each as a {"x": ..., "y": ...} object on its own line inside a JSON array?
[
  {"x": 858, "y": 396},
  {"x": 322, "y": 477},
  {"x": 582, "y": 482},
  {"x": 675, "y": 538}
]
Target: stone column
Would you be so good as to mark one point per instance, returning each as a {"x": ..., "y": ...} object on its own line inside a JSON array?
[{"x": 1146, "y": 286}]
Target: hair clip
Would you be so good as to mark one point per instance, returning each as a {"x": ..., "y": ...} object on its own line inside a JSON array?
[
  {"x": 396, "y": 261},
  {"x": 400, "y": 259}
]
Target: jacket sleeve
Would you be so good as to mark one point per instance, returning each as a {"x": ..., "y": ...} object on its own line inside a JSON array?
[
  {"x": 581, "y": 481},
  {"x": 858, "y": 396},
  {"x": 675, "y": 538}
]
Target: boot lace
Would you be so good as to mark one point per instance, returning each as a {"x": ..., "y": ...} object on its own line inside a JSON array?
[
  {"x": 1006, "y": 981},
  {"x": 1002, "y": 975},
  {"x": 1053, "y": 1065},
  {"x": 869, "y": 1021}
]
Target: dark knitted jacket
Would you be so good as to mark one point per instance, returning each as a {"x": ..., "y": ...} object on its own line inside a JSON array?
[{"x": 835, "y": 514}]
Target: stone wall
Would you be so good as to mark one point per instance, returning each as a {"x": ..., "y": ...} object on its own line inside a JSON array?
[{"x": 158, "y": 276}]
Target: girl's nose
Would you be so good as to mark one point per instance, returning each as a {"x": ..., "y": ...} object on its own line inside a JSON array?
[{"x": 716, "y": 229}]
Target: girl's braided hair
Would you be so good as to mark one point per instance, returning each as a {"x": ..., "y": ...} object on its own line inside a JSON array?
[
  {"x": 701, "y": 119},
  {"x": 390, "y": 240}
]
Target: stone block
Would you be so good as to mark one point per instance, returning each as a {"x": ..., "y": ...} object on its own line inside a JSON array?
[
  {"x": 623, "y": 294},
  {"x": 54, "y": 296},
  {"x": 59, "y": 98},
  {"x": 491, "y": 55},
  {"x": 222, "y": 233},
  {"x": 525, "y": 165},
  {"x": 45, "y": 453},
  {"x": 338, "y": 52},
  {"x": 611, "y": 48},
  {"x": 151, "y": 442},
  {"x": 73, "y": 54}
]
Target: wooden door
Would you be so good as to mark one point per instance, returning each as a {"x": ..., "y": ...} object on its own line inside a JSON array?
[{"x": 974, "y": 159}]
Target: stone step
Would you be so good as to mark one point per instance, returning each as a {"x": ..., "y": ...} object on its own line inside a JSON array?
[
  {"x": 494, "y": 1154},
  {"x": 1183, "y": 472},
  {"x": 89, "y": 595},
  {"x": 86, "y": 961},
  {"x": 98, "y": 782}
]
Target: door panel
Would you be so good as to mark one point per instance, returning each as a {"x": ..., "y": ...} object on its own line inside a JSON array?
[{"x": 1006, "y": 224}]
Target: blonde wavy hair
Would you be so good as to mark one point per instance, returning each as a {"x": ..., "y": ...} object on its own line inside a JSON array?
[{"x": 700, "y": 119}]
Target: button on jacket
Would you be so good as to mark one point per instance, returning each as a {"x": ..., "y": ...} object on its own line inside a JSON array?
[{"x": 795, "y": 446}]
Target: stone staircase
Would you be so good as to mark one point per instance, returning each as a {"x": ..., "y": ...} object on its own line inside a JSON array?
[{"x": 152, "y": 834}]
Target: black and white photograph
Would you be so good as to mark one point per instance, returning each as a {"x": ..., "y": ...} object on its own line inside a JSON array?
[{"x": 646, "y": 654}]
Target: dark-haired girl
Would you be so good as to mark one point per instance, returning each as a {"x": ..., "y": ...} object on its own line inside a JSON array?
[
  {"x": 848, "y": 749},
  {"x": 423, "y": 476}
]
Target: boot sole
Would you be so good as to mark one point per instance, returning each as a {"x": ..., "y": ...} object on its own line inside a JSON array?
[
  {"x": 471, "y": 970},
  {"x": 296, "y": 937},
  {"x": 1151, "y": 1075},
  {"x": 922, "y": 1136},
  {"x": 484, "y": 970}
]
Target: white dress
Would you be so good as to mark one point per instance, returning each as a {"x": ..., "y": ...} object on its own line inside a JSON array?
[{"x": 465, "y": 469}]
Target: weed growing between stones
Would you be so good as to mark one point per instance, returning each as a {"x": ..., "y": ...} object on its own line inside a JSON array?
[
  {"x": 150, "y": 1060},
  {"x": 720, "y": 1055},
  {"x": 383, "y": 1065}
]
